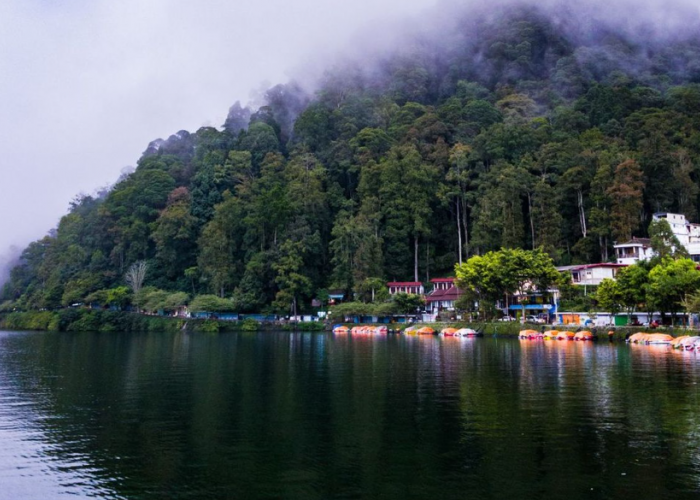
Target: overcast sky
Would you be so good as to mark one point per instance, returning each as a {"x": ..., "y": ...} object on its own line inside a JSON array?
[{"x": 85, "y": 85}]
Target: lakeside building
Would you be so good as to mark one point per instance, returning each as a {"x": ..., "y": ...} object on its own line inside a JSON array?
[
  {"x": 592, "y": 274},
  {"x": 412, "y": 287},
  {"x": 443, "y": 296},
  {"x": 633, "y": 251},
  {"x": 638, "y": 249}
]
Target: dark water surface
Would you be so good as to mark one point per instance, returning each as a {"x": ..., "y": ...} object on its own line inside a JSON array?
[{"x": 313, "y": 416}]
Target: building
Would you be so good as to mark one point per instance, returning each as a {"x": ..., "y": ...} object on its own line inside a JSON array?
[
  {"x": 443, "y": 296},
  {"x": 638, "y": 249},
  {"x": 633, "y": 251},
  {"x": 688, "y": 233},
  {"x": 413, "y": 287},
  {"x": 592, "y": 274}
]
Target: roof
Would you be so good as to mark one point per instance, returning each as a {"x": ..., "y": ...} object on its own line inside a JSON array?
[
  {"x": 589, "y": 266},
  {"x": 452, "y": 293},
  {"x": 442, "y": 280},
  {"x": 635, "y": 241},
  {"x": 404, "y": 283}
]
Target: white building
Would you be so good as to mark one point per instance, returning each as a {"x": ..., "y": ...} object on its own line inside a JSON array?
[
  {"x": 633, "y": 251},
  {"x": 688, "y": 233},
  {"x": 592, "y": 274},
  {"x": 637, "y": 249}
]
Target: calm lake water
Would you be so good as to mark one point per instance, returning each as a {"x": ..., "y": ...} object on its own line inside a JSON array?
[{"x": 313, "y": 416}]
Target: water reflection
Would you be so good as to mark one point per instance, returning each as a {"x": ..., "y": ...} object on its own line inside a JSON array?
[{"x": 294, "y": 415}]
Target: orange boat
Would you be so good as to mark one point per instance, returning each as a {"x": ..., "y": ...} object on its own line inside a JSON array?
[
  {"x": 637, "y": 338},
  {"x": 585, "y": 335},
  {"x": 344, "y": 330},
  {"x": 449, "y": 332},
  {"x": 566, "y": 335},
  {"x": 550, "y": 335},
  {"x": 677, "y": 343},
  {"x": 426, "y": 330},
  {"x": 528, "y": 334},
  {"x": 658, "y": 339}
]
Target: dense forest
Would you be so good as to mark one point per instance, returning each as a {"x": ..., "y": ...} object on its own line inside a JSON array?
[{"x": 519, "y": 130}]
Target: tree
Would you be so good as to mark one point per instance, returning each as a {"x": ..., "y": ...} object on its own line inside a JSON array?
[
  {"x": 506, "y": 272},
  {"x": 210, "y": 303},
  {"x": 632, "y": 285},
  {"x": 671, "y": 283},
  {"x": 664, "y": 243},
  {"x": 135, "y": 276},
  {"x": 292, "y": 284},
  {"x": 608, "y": 296},
  {"x": 627, "y": 203},
  {"x": 408, "y": 303}
]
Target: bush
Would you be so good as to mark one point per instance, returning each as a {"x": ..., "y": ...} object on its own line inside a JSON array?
[
  {"x": 250, "y": 325},
  {"x": 208, "y": 326}
]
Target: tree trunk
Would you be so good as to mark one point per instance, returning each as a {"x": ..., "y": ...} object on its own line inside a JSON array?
[
  {"x": 465, "y": 227},
  {"x": 415, "y": 258},
  {"x": 459, "y": 234},
  {"x": 532, "y": 222},
  {"x": 427, "y": 262},
  {"x": 582, "y": 214}
]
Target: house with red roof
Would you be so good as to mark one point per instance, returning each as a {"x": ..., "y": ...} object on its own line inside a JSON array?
[{"x": 444, "y": 295}]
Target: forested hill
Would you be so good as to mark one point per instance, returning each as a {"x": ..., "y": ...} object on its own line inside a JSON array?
[{"x": 517, "y": 128}]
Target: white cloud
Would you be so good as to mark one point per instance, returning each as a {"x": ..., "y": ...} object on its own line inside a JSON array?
[{"x": 85, "y": 85}]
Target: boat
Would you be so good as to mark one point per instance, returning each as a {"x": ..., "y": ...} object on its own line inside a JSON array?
[
  {"x": 467, "y": 332},
  {"x": 677, "y": 342},
  {"x": 528, "y": 334},
  {"x": 686, "y": 343},
  {"x": 341, "y": 330},
  {"x": 658, "y": 339},
  {"x": 584, "y": 336},
  {"x": 567, "y": 335},
  {"x": 550, "y": 335},
  {"x": 426, "y": 330},
  {"x": 381, "y": 330},
  {"x": 448, "y": 332},
  {"x": 411, "y": 330},
  {"x": 637, "y": 338}
]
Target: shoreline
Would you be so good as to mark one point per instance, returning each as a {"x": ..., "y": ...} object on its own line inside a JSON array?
[{"x": 83, "y": 320}]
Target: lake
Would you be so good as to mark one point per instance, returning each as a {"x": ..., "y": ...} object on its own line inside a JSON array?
[{"x": 317, "y": 416}]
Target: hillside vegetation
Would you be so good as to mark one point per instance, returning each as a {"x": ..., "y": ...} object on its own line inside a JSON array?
[{"x": 513, "y": 130}]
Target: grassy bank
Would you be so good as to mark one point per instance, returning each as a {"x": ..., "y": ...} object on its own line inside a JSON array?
[{"x": 75, "y": 320}]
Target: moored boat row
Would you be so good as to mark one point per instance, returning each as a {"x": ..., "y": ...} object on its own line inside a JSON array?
[
  {"x": 556, "y": 335},
  {"x": 411, "y": 330}
]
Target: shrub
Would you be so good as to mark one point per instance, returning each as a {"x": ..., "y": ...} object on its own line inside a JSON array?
[{"x": 250, "y": 325}]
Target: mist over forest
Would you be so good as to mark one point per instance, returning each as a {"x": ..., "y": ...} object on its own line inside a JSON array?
[{"x": 499, "y": 124}]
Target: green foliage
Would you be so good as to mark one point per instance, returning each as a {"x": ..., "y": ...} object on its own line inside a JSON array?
[
  {"x": 539, "y": 143},
  {"x": 664, "y": 243},
  {"x": 671, "y": 283},
  {"x": 492, "y": 276},
  {"x": 407, "y": 303},
  {"x": 608, "y": 296},
  {"x": 250, "y": 325},
  {"x": 211, "y": 303}
]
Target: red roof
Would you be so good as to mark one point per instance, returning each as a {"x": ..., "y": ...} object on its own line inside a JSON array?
[
  {"x": 442, "y": 280},
  {"x": 453, "y": 293},
  {"x": 404, "y": 283},
  {"x": 604, "y": 264}
]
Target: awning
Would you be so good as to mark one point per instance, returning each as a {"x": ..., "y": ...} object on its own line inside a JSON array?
[{"x": 536, "y": 307}]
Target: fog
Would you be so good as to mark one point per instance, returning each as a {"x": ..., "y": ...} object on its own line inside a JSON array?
[{"x": 86, "y": 85}]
